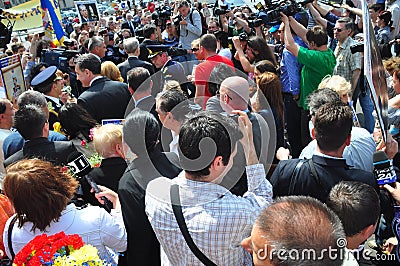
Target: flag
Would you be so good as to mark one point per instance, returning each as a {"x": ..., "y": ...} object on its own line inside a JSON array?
[{"x": 53, "y": 9}]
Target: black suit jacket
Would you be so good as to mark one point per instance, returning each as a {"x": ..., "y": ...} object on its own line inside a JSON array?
[
  {"x": 53, "y": 113},
  {"x": 125, "y": 25},
  {"x": 330, "y": 172},
  {"x": 105, "y": 99},
  {"x": 131, "y": 63},
  {"x": 56, "y": 152},
  {"x": 143, "y": 246},
  {"x": 109, "y": 173}
]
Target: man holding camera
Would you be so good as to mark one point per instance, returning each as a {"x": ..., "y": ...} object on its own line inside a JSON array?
[{"x": 190, "y": 29}]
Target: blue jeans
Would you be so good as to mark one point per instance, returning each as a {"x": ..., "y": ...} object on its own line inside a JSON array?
[{"x": 367, "y": 107}]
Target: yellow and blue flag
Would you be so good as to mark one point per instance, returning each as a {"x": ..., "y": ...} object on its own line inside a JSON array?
[{"x": 53, "y": 9}]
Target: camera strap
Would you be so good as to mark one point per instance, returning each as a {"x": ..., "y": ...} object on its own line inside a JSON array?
[{"x": 177, "y": 208}]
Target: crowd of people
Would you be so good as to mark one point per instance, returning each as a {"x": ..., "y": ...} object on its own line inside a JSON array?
[{"x": 217, "y": 140}]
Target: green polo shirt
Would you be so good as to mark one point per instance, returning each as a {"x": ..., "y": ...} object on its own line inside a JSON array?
[{"x": 316, "y": 65}]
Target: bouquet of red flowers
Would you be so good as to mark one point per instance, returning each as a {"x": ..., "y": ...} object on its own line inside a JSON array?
[{"x": 58, "y": 249}]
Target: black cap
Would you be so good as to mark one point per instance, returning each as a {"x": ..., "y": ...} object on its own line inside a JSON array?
[
  {"x": 157, "y": 49},
  {"x": 45, "y": 77}
]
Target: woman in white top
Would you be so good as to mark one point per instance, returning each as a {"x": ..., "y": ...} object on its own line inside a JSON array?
[{"x": 41, "y": 194}]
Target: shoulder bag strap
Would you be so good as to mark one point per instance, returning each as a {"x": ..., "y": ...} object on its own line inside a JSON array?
[
  {"x": 9, "y": 236},
  {"x": 176, "y": 207},
  {"x": 295, "y": 174},
  {"x": 314, "y": 173}
]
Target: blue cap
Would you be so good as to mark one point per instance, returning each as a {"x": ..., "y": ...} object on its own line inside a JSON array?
[
  {"x": 45, "y": 77},
  {"x": 157, "y": 49},
  {"x": 274, "y": 28}
]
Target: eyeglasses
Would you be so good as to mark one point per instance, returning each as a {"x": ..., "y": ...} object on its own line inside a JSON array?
[
  {"x": 195, "y": 49},
  {"x": 338, "y": 29}
]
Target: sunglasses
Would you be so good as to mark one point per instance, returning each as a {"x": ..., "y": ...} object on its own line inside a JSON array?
[
  {"x": 195, "y": 49},
  {"x": 338, "y": 29}
]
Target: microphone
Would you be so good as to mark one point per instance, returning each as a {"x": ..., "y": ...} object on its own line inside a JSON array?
[
  {"x": 383, "y": 169},
  {"x": 80, "y": 166}
]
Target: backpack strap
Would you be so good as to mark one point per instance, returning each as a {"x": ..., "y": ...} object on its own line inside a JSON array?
[
  {"x": 294, "y": 176},
  {"x": 9, "y": 236},
  {"x": 177, "y": 208}
]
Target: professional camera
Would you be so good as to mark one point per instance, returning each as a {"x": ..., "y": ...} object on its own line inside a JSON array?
[
  {"x": 255, "y": 23},
  {"x": 177, "y": 19},
  {"x": 160, "y": 15},
  {"x": 221, "y": 10},
  {"x": 58, "y": 57},
  {"x": 271, "y": 14}
]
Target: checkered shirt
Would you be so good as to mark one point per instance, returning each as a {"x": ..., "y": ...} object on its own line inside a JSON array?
[
  {"x": 216, "y": 219},
  {"x": 346, "y": 62}
]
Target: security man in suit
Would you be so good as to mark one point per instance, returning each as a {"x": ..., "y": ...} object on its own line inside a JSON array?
[
  {"x": 48, "y": 83},
  {"x": 316, "y": 177},
  {"x": 168, "y": 69},
  {"x": 31, "y": 122},
  {"x": 131, "y": 47},
  {"x": 104, "y": 99}
]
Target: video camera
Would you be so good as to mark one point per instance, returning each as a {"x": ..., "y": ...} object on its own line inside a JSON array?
[
  {"x": 58, "y": 57},
  {"x": 160, "y": 15},
  {"x": 271, "y": 13},
  {"x": 221, "y": 10}
]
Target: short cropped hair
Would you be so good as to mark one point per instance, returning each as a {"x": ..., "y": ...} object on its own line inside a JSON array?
[
  {"x": 140, "y": 131},
  {"x": 31, "y": 97},
  {"x": 105, "y": 138},
  {"x": 139, "y": 79},
  {"x": 348, "y": 22},
  {"x": 194, "y": 140},
  {"x": 356, "y": 204},
  {"x": 209, "y": 42},
  {"x": 183, "y": 3},
  {"x": 173, "y": 101},
  {"x": 308, "y": 224},
  {"x": 148, "y": 30},
  {"x": 89, "y": 62},
  {"x": 38, "y": 191},
  {"x": 131, "y": 45},
  {"x": 317, "y": 35},
  {"x": 332, "y": 125},
  {"x": 29, "y": 121},
  {"x": 95, "y": 41},
  {"x": 320, "y": 97}
]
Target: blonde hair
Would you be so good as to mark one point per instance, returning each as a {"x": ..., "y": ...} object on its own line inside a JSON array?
[
  {"x": 172, "y": 84},
  {"x": 105, "y": 138},
  {"x": 196, "y": 43},
  {"x": 111, "y": 71},
  {"x": 336, "y": 83}
]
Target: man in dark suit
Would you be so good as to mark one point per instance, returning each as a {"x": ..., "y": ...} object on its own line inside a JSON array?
[
  {"x": 140, "y": 134},
  {"x": 150, "y": 38},
  {"x": 105, "y": 99},
  {"x": 131, "y": 47},
  {"x": 31, "y": 122},
  {"x": 315, "y": 177},
  {"x": 48, "y": 83},
  {"x": 129, "y": 24},
  {"x": 140, "y": 86}
]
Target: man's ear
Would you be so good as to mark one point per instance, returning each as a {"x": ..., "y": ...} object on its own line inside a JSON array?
[
  {"x": 313, "y": 133},
  {"x": 348, "y": 140}
]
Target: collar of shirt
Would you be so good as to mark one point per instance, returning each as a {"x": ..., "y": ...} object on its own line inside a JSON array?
[
  {"x": 327, "y": 156},
  {"x": 138, "y": 101},
  {"x": 133, "y": 56},
  {"x": 195, "y": 192},
  {"x": 346, "y": 43},
  {"x": 54, "y": 99},
  {"x": 95, "y": 78}
]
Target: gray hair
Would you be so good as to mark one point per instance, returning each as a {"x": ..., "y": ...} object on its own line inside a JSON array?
[
  {"x": 131, "y": 45},
  {"x": 95, "y": 42},
  {"x": 320, "y": 97},
  {"x": 309, "y": 226},
  {"x": 31, "y": 97}
]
